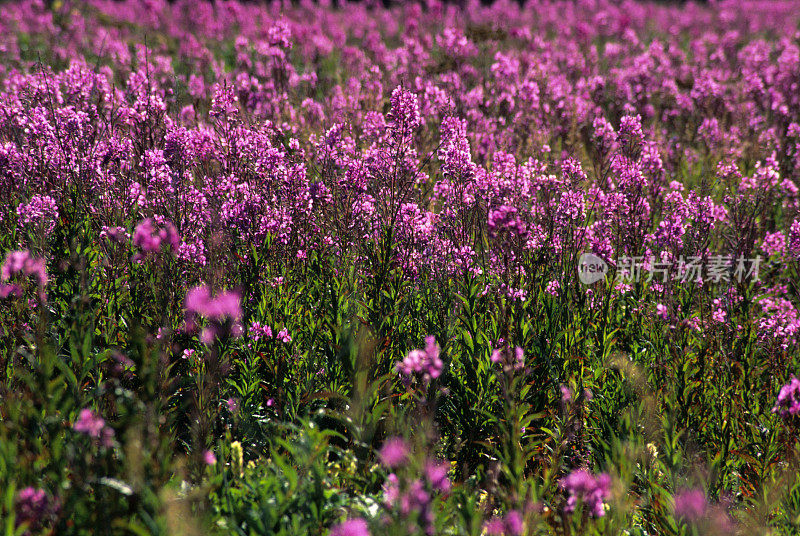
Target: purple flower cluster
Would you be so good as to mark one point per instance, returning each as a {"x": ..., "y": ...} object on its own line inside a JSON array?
[
  {"x": 456, "y": 142},
  {"x": 404, "y": 117},
  {"x": 150, "y": 239},
  {"x": 517, "y": 362},
  {"x": 418, "y": 140},
  {"x": 94, "y": 426},
  {"x": 394, "y": 452},
  {"x": 412, "y": 501},
  {"x": 425, "y": 363},
  {"x": 690, "y": 505},
  {"x": 41, "y": 212},
  {"x": 788, "y": 403},
  {"x": 20, "y": 263},
  {"x": 412, "y": 498},
  {"x": 351, "y": 527},
  {"x": 511, "y": 524},
  {"x": 258, "y": 331},
  {"x": 222, "y": 312},
  {"x": 23, "y": 263},
  {"x": 223, "y": 306},
  {"x": 436, "y": 475},
  {"x": 591, "y": 490},
  {"x": 34, "y": 508}
]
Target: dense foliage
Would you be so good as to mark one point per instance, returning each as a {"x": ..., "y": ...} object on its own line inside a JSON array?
[{"x": 311, "y": 269}]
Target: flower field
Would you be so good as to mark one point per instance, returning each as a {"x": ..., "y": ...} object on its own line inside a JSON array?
[{"x": 419, "y": 269}]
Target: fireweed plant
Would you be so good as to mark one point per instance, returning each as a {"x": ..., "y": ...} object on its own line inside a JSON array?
[{"x": 314, "y": 268}]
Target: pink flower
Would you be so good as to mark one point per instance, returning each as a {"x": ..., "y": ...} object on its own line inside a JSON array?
[
  {"x": 89, "y": 423},
  {"x": 351, "y": 527},
  {"x": 34, "y": 507},
  {"x": 222, "y": 311},
  {"x": 404, "y": 116},
  {"x": 209, "y": 458},
  {"x": 42, "y": 209},
  {"x": 23, "y": 263},
  {"x": 424, "y": 362},
  {"x": 690, "y": 505},
  {"x": 257, "y": 331},
  {"x": 514, "y": 523},
  {"x": 10, "y": 290},
  {"x": 774, "y": 244},
  {"x": 284, "y": 336},
  {"x": 149, "y": 238},
  {"x": 788, "y": 403},
  {"x": 394, "y": 452},
  {"x": 591, "y": 489},
  {"x": 495, "y": 527},
  {"x": 94, "y": 426},
  {"x": 510, "y": 525},
  {"x": 391, "y": 489},
  {"x": 553, "y": 288},
  {"x": 436, "y": 473},
  {"x": 225, "y": 305},
  {"x": 515, "y": 363}
]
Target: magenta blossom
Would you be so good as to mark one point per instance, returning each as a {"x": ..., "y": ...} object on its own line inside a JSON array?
[
  {"x": 394, "y": 452},
  {"x": 34, "y": 507},
  {"x": 423, "y": 362},
  {"x": 788, "y": 403},
  {"x": 517, "y": 362},
  {"x": 283, "y": 336},
  {"x": 150, "y": 239},
  {"x": 42, "y": 209},
  {"x": 436, "y": 473},
  {"x": 589, "y": 488},
  {"x": 690, "y": 505},
  {"x": 223, "y": 306},
  {"x": 257, "y": 331},
  {"x": 23, "y": 263},
  {"x": 91, "y": 424},
  {"x": 511, "y": 524},
  {"x": 222, "y": 312},
  {"x": 351, "y": 527},
  {"x": 391, "y": 490},
  {"x": 415, "y": 498}
]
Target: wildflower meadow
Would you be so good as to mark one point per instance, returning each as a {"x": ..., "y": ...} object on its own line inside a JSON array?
[{"x": 398, "y": 268}]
